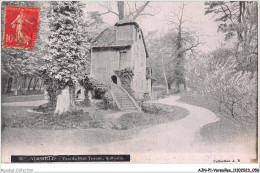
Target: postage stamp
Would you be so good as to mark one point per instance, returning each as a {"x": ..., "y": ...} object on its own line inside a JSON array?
[{"x": 21, "y": 25}]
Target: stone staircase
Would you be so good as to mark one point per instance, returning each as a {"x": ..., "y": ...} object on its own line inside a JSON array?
[{"x": 124, "y": 101}]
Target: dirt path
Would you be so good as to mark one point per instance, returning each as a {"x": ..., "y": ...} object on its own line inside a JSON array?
[
  {"x": 178, "y": 141},
  {"x": 173, "y": 142}
]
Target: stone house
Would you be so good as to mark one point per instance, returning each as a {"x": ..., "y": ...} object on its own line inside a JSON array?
[{"x": 120, "y": 47}]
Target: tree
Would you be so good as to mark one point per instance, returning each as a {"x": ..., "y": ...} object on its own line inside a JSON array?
[
  {"x": 238, "y": 19},
  {"x": 232, "y": 93},
  {"x": 67, "y": 48},
  {"x": 126, "y": 10},
  {"x": 185, "y": 41}
]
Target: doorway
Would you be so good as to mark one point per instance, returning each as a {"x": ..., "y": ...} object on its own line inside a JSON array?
[{"x": 114, "y": 79}]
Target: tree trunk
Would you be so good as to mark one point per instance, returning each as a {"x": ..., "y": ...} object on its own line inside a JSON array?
[
  {"x": 29, "y": 85},
  {"x": 41, "y": 83},
  {"x": 65, "y": 101},
  {"x": 16, "y": 81},
  {"x": 165, "y": 77},
  {"x": 169, "y": 86},
  {"x": 35, "y": 83},
  {"x": 9, "y": 84},
  {"x": 178, "y": 88},
  {"x": 121, "y": 12},
  {"x": 4, "y": 83},
  {"x": 46, "y": 94},
  {"x": 24, "y": 85},
  {"x": 184, "y": 84}
]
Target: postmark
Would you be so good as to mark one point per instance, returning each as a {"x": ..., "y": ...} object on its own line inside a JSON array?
[{"x": 21, "y": 27}]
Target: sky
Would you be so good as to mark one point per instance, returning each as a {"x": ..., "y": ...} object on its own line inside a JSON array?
[{"x": 203, "y": 25}]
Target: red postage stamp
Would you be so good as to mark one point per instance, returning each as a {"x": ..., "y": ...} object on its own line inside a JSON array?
[{"x": 21, "y": 26}]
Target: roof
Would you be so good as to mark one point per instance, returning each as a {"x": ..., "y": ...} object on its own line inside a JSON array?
[
  {"x": 107, "y": 38},
  {"x": 127, "y": 22}
]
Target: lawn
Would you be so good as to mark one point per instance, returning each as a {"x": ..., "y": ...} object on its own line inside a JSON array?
[
  {"x": 87, "y": 116},
  {"x": 19, "y": 117},
  {"x": 159, "y": 92},
  {"x": 224, "y": 130},
  {"x": 21, "y": 98},
  {"x": 165, "y": 114}
]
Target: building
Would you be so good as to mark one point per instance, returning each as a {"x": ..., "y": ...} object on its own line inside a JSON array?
[{"x": 120, "y": 47}]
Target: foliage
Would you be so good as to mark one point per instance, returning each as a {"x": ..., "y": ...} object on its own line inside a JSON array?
[
  {"x": 67, "y": 61},
  {"x": 147, "y": 96},
  {"x": 92, "y": 84},
  {"x": 165, "y": 48},
  {"x": 238, "y": 19},
  {"x": 228, "y": 76},
  {"x": 47, "y": 107},
  {"x": 126, "y": 75},
  {"x": 171, "y": 49},
  {"x": 95, "y": 24},
  {"x": 215, "y": 77},
  {"x": 107, "y": 102}
]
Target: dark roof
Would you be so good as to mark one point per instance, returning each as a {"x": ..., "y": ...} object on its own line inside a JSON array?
[
  {"x": 127, "y": 22},
  {"x": 107, "y": 38}
]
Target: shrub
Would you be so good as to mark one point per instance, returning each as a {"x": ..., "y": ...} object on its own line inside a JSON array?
[
  {"x": 47, "y": 107},
  {"x": 126, "y": 76},
  {"x": 147, "y": 96},
  {"x": 233, "y": 92},
  {"x": 153, "y": 108},
  {"x": 107, "y": 102}
]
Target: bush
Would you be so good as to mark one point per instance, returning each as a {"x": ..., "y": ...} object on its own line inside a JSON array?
[
  {"x": 107, "y": 102},
  {"x": 154, "y": 108},
  {"x": 217, "y": 77},
  {"x": 47, "y": 107}
]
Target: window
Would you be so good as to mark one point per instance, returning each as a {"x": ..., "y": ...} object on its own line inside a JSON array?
[{"x": 123, "y": 59}]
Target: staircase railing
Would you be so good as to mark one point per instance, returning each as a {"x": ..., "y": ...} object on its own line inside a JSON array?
[
  {"x": 132, "y": 99},
  {"x": 112, "y": 90}
]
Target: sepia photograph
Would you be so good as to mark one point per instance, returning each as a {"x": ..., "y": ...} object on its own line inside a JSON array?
[{"x": 140, "y": 82}]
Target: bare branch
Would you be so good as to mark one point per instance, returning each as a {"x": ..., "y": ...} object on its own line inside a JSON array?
[
  {"x": 140, "y": 10},
  {"x": 146, "y": 14},
  {"x": 192, "y": 46},
  {"x": 108, "y": 8}
]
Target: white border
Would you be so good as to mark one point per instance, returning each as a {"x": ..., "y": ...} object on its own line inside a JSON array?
[{"x": 118, "y": 167}]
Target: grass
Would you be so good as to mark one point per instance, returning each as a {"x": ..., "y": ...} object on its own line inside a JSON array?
[
  {"x": 224, "y": 130},
  {"x": 19, "y": 117},
  {"x": 91, "y": 117},
  {"x": 48, "y": 121},
  {"x": 160, "y": 92},
  {"x": 164, "y": 115},
  {"x": 21, "y": 98},
  {"x": 30, "y": 92}
]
